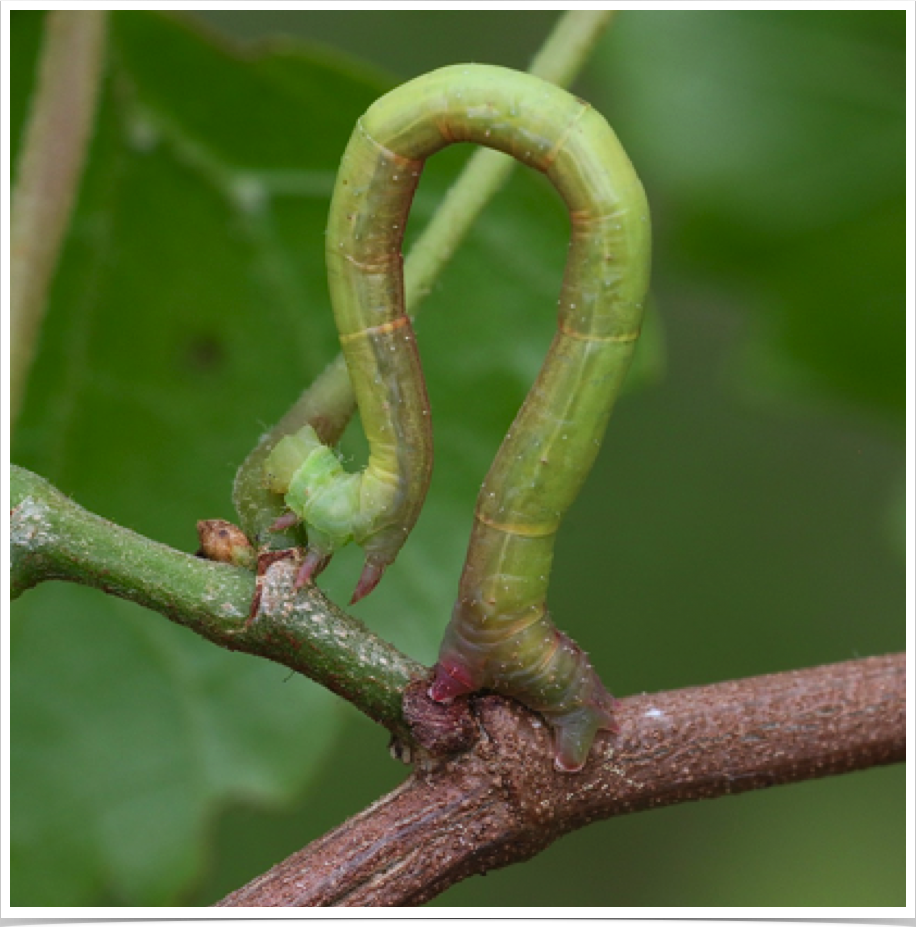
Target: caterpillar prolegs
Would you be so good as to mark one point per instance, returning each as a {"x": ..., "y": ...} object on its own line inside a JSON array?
[{"x": 500, "y": 635}]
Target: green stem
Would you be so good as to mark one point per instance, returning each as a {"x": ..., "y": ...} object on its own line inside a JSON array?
[
  {"x": 328, "y": 403},
  {"x": 559, "y": 61},
  {"x": 54, "y": 538},
  {"x": 50, "y": 165}
]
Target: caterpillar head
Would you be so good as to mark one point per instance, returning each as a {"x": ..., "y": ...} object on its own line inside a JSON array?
[{"x": 287, "y": 457}]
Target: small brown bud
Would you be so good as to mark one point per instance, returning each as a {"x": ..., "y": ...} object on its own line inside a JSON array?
[{"x": 225, "y": 543}]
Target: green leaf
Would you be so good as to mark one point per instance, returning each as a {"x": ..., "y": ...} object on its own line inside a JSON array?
[
  {"x": 124, "y": 739},
  {"x": 189, "y": 310},
  {"x": 773, "y": 145}
]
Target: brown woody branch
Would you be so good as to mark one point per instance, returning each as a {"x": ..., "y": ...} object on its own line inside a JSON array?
[{"x": 503, "y": 802}]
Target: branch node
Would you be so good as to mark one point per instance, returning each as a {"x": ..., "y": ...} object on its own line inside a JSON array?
[{"x": 439, "y": 730}]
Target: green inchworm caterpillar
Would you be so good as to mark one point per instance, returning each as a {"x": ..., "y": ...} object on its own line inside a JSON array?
[{"x": 500, "y": 635}]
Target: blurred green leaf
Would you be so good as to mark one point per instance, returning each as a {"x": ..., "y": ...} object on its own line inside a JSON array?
[
  {"x": 180, "y": 293},
  {"x": 127, "y": 737},
  {"x": 773, "y": 145},
  {"x": 190, "y": 309}
]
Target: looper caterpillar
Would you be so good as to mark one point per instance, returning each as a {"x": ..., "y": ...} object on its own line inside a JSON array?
[{"x": 500, "y": 635}]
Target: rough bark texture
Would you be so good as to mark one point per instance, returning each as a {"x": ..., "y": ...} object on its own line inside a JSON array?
[{"x": 503, "y": 801}]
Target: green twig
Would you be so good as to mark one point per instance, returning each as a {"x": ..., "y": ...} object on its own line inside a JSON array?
[
  {"x": 50, "y": 165},
  {"x": 54, "y": 538},
  {"x": 329, "y": 403}
]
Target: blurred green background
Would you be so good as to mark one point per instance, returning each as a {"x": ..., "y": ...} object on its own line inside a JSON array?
[{"x": 746, "y": 514}]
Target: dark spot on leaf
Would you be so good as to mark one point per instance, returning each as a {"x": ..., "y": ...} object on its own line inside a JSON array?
[{"x": 205, "y": 354}]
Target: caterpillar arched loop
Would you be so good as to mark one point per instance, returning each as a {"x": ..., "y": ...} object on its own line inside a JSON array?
[{"x": 500, "y": 635}]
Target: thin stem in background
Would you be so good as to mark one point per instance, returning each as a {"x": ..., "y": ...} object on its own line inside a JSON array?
[
  {"x": 51, "y": 161},
  {"x": 559, "y": 61}
]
